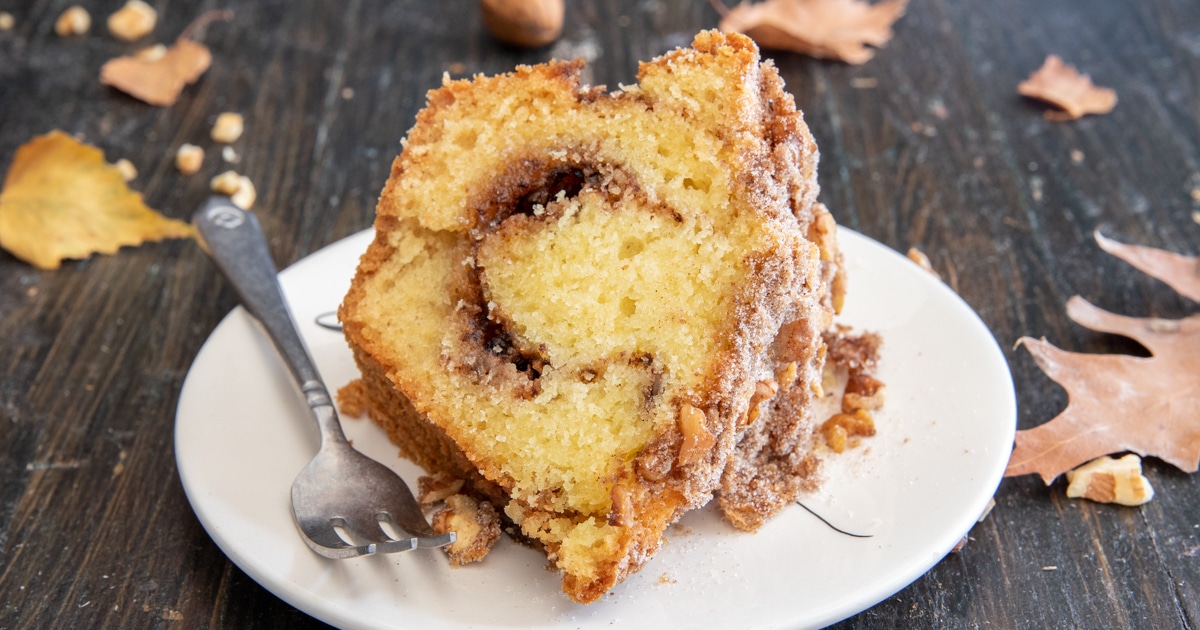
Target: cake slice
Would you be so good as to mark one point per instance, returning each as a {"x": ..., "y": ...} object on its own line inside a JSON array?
[{"x": 601, "y": 308}]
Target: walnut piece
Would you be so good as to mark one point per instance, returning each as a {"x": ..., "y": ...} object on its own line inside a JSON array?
[
  {"x": 189, "y": 158},
  {"x": 239, "y": 188},
  {"x": 696, "y": 438},
  {"x": 437, "y": 487},
  {"x": 838, "y": 429},
  {"x": 133, "y": 21},
  {"x": 863, "y": 391},
  {"x": 74, "y": 21},
  {"x": 1108, "y": 480},
  {"x": 476, "y": 524},
  {"x": 228, "y": 128}
]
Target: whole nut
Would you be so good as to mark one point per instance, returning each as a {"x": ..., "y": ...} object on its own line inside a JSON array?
[{"x": 528, "y": 23}]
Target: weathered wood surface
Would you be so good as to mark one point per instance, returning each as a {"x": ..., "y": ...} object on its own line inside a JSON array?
[{"x": 925, "y": 146}]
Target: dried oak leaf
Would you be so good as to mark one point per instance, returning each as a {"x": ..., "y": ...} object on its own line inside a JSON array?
[
  {"x": 158, "y": 81},
  {"x": 1117, "y": 403},
  {"x": 829, "y": 29},
  {"x": 1060, "y": 84},
  {"x": 62, "y": 200}
]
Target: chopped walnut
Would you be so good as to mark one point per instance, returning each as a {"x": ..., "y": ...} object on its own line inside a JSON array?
[
  {"x": 133, "y": 21},
  {"x": 786, "y": 376},
  {"x": 189, "y": 158},
  {"x": 437, "y": 487},
  {"x": 239, "y": 188},
  {"x": 127, "y": 169},
  {"x": 863, "y": 391},
  {"x": 228, "y": 128},
  {"x": 696, "y": 438},
  {"x": 1108, "y": 480},
  {"x": 763, "y": 391},
  {"x": 841, "y": 426},
  {"x": 622, "y": 507},
  {"x": 476, "y": 524},
  {"x": 74, "y": 21}
]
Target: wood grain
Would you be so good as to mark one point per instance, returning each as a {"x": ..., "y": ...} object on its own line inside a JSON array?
[{"x": 927, "y": 146}]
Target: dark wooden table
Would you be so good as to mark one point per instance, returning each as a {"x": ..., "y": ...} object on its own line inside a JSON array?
[{"x": 925, "y": 146}]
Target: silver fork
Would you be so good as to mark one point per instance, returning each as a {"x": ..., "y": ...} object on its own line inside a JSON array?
[{"x": 340, "y": 499}]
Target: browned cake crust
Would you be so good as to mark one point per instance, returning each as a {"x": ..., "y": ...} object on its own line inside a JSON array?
[{"x": 600, "y": 309}]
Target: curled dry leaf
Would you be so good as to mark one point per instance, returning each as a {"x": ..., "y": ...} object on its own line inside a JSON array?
[
  {"x": 1117, "y": 403},
  {"x": 845, "y": 30},
  {"x": 1061, "y": 85},
  {"x": 158, "y": 79},
  {"x": 62, "y": 200}
]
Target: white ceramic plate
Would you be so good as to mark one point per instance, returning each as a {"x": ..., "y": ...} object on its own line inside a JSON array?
[{"x": 242, "y": 433}]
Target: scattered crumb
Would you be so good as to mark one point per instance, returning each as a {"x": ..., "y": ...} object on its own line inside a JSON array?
[
  {"x": 133, "y": 21},
  {"x": 456, "y": 67},
  {"x": 347, "y": 93},
  {"x": 1196, "y": 216},
  {"x": 1077, "y": 156},
  {"x": 1196, "y": 194},
  {"x": 189, "y": 158},
  {"x": 172, "y": 615},
  {"x": 864, "y": 83},
  {"x": 127, "y": 169},
  {"x": 74, "y": 21},
  {"x": 229, "y": 155},
  {"x": 228, "y": 128},
  {"x": 7, "y": 22},
  {"x": 352, "y": 399},
  {"x": 1035, "y": 188},
  {"x": 1050, "y": 567},
  {"x": 666, "y": 579}
]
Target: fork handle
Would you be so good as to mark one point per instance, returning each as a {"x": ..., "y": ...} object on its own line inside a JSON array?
[{"x": 234, "y": 240}]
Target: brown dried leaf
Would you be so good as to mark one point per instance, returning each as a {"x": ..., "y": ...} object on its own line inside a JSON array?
[
  {"x": 158, "y": 81},
  {"x": 1060, "y": 84},
  {"x": 1117, "y": 403},
  {"x": 62, "y": 200},
  {"x": 829, "y": 29}
]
